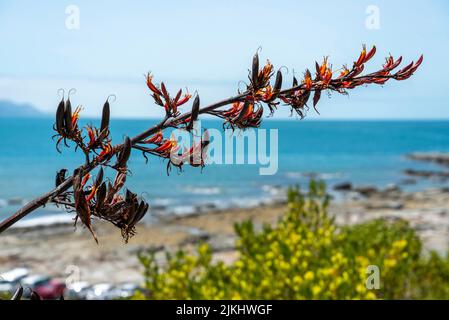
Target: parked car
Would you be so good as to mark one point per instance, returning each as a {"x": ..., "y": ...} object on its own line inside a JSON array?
[
  {"x": 10, "y": 280},
  {"x": 46, "y": 287},
  {"x": 14, "y": 275},
  {"x": 99, "y": 291}
]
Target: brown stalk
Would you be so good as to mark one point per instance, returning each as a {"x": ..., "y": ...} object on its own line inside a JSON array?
[{"x": 320, "y": 83}]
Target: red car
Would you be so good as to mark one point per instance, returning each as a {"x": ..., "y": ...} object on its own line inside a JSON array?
[{"x": 46, "y": 287}]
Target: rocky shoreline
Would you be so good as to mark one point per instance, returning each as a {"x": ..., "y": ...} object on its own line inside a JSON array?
[{"x": 56, "y": 250}]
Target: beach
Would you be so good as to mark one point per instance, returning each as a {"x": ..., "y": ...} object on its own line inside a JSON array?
[{"x": 59, "y": 249}]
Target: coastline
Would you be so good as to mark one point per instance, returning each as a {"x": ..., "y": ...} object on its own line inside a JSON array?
[{"x": 56, "y": 249}]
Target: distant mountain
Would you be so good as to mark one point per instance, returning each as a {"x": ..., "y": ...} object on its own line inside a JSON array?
[{"x": 9, "y": 109}]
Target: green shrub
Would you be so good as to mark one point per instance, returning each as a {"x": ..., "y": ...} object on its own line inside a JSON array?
[{"x": 304, "y": 256}]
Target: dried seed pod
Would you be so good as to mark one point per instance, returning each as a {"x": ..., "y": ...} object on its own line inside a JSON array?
[
  {"x": 60, "y": 117},
  {"x": 140, "y": 213},
  {"x": 105, "y": 117},
  {"x": 143, "y": 212},
  {"x": 278, "y": 82},
  {"x": 101, "y": 194},
  {"x": 125, "y": 153},
  {"x": 129, "y": 196},
  {"x": 195, "y": 112},
  {"x": 68, "y": 116},
  {"x": 255, "y": 70}
]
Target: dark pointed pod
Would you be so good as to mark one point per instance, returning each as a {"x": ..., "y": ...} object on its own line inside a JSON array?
[
  {"x": 129, "y": 196},
  {"x": 195, "y": 112},
  {"x": 68, "y": 116},
  {"x": 60, "y": 116},
  {"x": 105, "y": 117},
  {"x": 125, "y": 153},
  {"x": 101, "y": 194},
  {"x": 278, "y": 82},
  {"x": 140, "y": 212},
  {"x": 255, "y": 70}
]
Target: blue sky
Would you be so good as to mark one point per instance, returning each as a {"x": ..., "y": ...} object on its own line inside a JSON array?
[{"x": 208, "y": 45}]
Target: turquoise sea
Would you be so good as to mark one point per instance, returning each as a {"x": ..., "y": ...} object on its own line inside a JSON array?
[{"x": 363, "y": 152}]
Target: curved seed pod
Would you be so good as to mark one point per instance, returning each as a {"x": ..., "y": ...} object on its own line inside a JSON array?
[
  {"x": 68, "y": 116},
  {"x": 129, "y": 196},
  {"x": 278, "y": 82},
  {"x": 132, "y": 212},
  {"x": 99, "y": 178},
  {"x": 101, "y": 194},
  {"x": 18, "y": 294},
  {"x": 125, "y": 153},
  {"x": 255, "y": 70},
  {"x": 277, "y": 85},
  {"x": 137, "y": 214},
  {"x": 140, "y": 212},
  {"x": 60, "y": 117},
  {"x": 195, "y": 112},
  {"x": 143, "y": 211},
  {"x": 105, "y": 116}
]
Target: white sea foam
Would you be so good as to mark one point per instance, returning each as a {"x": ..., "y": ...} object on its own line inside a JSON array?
[
  {"x": 202, "y": 190},
  {"x": 45, "y": 221}
]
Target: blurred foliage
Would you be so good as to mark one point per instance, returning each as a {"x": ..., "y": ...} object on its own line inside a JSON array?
[
  {"x": 5, "y": 296},
  {"x": 305, "y": 256}
]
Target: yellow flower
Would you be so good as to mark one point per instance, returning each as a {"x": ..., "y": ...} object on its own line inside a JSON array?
[
  {"x": 360, "y": 288},
  {"x": 309, "y": 276},
  {"x": 371, "y": 296},
  {"x": 316, "y": 290},
  {"x": 400, "y": 244}
]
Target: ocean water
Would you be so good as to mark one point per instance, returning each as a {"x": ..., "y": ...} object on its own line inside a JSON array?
[{"x": 363, "y": 152}]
